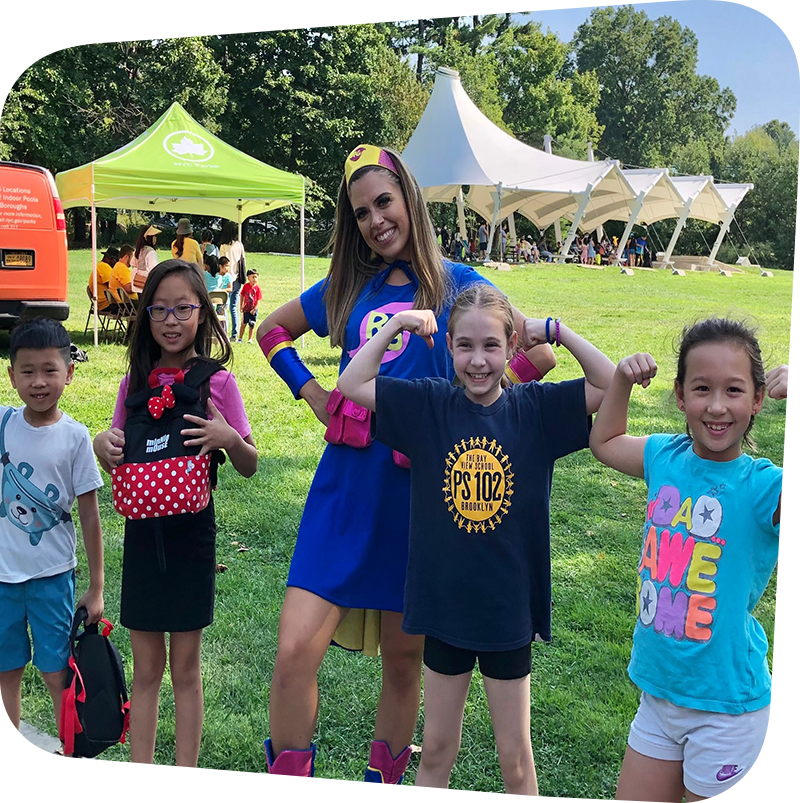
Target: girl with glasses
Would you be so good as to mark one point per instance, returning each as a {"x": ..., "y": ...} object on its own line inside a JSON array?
[{"x": 169, "y": 563}]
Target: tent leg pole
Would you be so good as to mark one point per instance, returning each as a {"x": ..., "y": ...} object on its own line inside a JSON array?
[
  {"x": 723, "y": 230},
  {"x": 629, "y": 227},
  {"x": 303, "y": 254},
  {"x": 495, "y": 218},
  {"x": 462, "y": 220},
  {"x": 94, "y": 268},
  {"x": 675, "y": 234},
  {"x": 575, "y": 223}
]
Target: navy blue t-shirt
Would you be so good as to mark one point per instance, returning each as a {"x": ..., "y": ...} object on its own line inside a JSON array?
[{"x": 479, "y": 556}]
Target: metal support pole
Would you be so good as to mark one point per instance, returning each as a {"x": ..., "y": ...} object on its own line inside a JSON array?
[
  {"x": 678, "y": 228},
  {"x": 637, "y": 208},
  {"x": 584, "y": 202},
  {"x": 725, "y": 224},
  {"x": 303, "y": 250},
  {"x": 495, "y": 218},
  {"x": 94, "y": 265},
  {"x": 462, "y": 220}
]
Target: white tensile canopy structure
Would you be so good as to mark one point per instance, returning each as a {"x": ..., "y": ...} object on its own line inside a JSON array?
[
  {"x": 705, "y": 200},
  {"x": 656, "y": 198},
  {"x": 455, "y": 144}
]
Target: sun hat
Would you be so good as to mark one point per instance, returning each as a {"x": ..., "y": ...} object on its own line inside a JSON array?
[
  {"x": 184, "y": 226},
  {"x": 111, "y": 252},
  {"x": 152, "y": 231}
]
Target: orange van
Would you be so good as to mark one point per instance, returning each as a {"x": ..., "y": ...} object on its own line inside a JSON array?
[{"x": 33, "y": 245}]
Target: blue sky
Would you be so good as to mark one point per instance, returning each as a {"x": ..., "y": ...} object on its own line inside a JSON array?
[{"x": 737, "y": 45}]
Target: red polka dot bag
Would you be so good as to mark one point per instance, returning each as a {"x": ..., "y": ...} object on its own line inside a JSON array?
[{"x": 159, "y": 476}]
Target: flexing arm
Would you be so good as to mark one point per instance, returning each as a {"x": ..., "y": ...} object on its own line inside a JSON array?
[
  {"x": 89, "y": 515},
  {"x": 292, "y": 318},
  {"x": 597, "y": 368},
  {"x": 778, "y": 382},
  {"x": 540, "y": 354},
  {"x": 608, "y": 440},
  {"x": 357, "y": 381}
]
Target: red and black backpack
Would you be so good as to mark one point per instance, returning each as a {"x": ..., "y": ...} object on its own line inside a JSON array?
[
  {"x": 94, "y": 703},
  {"x": 159, "y": 476}
]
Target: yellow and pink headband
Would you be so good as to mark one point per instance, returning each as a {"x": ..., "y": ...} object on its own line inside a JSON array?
[{"x": 366, "y": 156}]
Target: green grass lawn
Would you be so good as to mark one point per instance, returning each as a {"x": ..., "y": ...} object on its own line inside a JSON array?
[{"x": 582, "y": 701}]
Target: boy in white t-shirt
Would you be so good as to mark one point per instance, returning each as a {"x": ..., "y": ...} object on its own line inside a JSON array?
[{"x": 46, "y": 461}]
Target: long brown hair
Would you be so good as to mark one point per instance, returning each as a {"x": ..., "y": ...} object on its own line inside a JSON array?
[
  {"x": 179, "y": 238},
  {"x": 142, "y": 240},
  {"x": 143, "y": 351},
  {"x": 353, "y": 263}
]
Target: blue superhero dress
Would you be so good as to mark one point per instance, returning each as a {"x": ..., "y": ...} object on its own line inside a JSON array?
[{"x": 352, "y": 545}]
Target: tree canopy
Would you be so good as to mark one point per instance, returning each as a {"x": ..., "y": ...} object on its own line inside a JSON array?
[{"x": 301, "y": 99}]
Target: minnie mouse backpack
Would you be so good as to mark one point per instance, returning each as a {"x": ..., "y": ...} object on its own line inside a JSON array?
[{"x": 159, "y": 476}]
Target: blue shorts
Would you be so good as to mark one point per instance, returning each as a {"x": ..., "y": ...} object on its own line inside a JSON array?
[
  {"x": 250, "y": 318},
  {"x": 46, "y": 604}
]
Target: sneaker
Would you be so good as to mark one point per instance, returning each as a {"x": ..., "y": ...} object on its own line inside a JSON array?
[
  {"x": 76, "y": 790},
  {"x": 249, "y": 342},
  {"x": 139, "y": 795},
  {"x": 180, "y": 796},
  {"x": 239, "y": 340},
  {"x": 9, "y": 786}
]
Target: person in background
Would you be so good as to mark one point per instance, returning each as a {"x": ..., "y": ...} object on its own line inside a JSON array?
[
  {"x": 104, "y": 268},
  {"x": 207, "y": 243},
  {"x": 145, "y": 256},
  {"x": 640, "y": 243},
  {"x": 231, "y": 248},
  {"x": 121, "y": 275},
  {"x": 225, "y": 279},
  {"x": 185, "y": 247},
  {"x": 251, "y": 298},
  {"x": 482, "y": 241},
  {"x": 211, "y": 275}
]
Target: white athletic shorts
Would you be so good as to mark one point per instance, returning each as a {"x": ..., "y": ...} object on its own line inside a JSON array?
[{"x": 716, "y": 749}]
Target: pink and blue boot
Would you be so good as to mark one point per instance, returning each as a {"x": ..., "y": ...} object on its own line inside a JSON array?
[
  {"x": 291, "y": 762},
  {"x": 382, "y": 768}
]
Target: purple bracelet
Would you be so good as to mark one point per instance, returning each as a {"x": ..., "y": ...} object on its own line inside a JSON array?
[{"x": 558, "y": 332}]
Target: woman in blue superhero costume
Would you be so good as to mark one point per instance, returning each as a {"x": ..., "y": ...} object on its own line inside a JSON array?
[{"x": 352, "y": 545}]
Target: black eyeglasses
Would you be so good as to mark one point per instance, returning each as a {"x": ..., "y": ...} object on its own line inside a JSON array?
[{"x": 182, "y": 312}]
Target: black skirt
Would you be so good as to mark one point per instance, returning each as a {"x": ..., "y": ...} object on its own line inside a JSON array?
[{"x": 168, "y": 571}]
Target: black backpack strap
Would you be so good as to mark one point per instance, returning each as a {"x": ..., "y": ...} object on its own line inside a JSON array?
[{"x": 201, "y": 372}]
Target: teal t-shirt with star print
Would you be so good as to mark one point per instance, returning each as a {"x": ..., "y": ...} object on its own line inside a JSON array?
[{"x": 708, "y": 552}]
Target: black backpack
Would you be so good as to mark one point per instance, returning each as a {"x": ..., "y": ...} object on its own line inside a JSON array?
[
  {"x": 159, "y": 476},
  {"x": 94, "y": 703}
]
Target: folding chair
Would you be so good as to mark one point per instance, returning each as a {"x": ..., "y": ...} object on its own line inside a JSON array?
[
  {"x": 128, "y": 311},
  {"x": 220, "y": 297},
  {"x": 114, "y": 314},
  {"x": 102, "y": 318}
]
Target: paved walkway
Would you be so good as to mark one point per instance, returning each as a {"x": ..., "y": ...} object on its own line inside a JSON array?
[{"x": 40, "y": 771}]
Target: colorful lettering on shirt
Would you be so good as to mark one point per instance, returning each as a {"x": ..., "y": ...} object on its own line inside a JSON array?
[
  {"x": 374, "y": 321},
  {"x": 676, "y": 586},
  {"x": 478, "y": 484}
]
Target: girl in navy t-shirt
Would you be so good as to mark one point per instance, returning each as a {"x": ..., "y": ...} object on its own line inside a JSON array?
[{"x": 478, "y": 577}]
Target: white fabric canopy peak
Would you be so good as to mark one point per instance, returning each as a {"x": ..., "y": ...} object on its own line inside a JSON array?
[{"x": 456, "y": 144}]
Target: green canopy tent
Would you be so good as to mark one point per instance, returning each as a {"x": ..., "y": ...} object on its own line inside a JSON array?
[{"x": 176, "y": 165}]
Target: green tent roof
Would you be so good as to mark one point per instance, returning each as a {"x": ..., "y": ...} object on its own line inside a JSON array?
[{"x": 178, "y": 166}]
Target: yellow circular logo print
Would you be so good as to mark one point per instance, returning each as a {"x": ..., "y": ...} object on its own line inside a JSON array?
[{"x": 478, "y": 484}]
